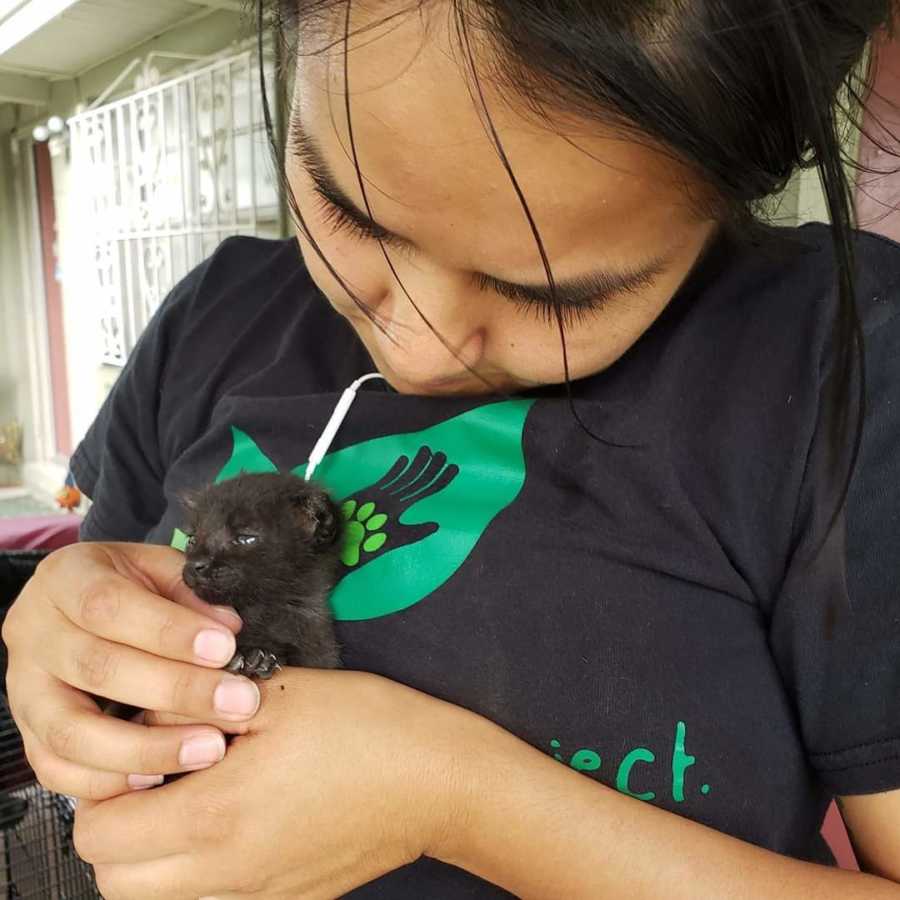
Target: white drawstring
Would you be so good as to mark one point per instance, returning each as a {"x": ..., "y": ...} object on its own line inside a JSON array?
[{"x": 334, "y": 423}]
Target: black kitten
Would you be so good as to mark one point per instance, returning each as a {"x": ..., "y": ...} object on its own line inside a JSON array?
[{"x": 268, "y": 545}]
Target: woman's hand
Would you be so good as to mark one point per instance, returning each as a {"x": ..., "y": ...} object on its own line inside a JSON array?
[
  {"x": 117, "y": 621},
  {"x": 341, "y": 777}
]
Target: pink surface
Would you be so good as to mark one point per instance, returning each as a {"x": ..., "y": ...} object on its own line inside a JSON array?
[
  {"x": 39, "y": 532},
  {"x": 878, "y": 189},
  {"x": 834, "y": 832}
]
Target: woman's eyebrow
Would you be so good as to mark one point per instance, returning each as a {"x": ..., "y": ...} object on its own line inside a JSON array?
[{"x": 577, "y": 291}]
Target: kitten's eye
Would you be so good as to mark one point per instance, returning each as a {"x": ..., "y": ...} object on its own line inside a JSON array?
[
  {"x": 191, "y": 540},
  {"x": 246, "y": 540}
]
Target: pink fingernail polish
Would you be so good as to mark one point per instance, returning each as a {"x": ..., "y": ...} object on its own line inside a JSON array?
[
  {"x": 231, "y": 612},
  {"x": 142, "y": 782},
  {"x": 202, "y": 750},
  {"x": 214, "y": 646},
  {"x": 236, "y": 696}
]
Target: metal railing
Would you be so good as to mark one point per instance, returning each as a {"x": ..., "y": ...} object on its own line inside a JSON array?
[{"x": 162, "y": 177}]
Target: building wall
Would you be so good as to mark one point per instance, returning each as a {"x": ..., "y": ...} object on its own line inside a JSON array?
[
  {"x": 17, "y": 275},
  {"x": 89, "y": 379},
  {"x": 878, "y": 185},
  {"x": 21, "y": 302},
  {"x": 10, "y": 281}
]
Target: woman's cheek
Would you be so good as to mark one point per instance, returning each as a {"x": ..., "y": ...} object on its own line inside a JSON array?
[{"x": 353, "y": 262}]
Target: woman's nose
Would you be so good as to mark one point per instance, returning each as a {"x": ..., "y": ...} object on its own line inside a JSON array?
[
  {"x": 433, "y": 359},
  {"x": 442, "y": 333}
]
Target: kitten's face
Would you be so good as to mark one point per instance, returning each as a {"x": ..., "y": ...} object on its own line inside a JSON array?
[
  {"x": 249, "y": 535},
  {"x": 224, "y": 552}
]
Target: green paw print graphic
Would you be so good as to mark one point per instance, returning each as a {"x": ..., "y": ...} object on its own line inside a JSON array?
[
  {"x": 362, "y": 531},
  {"x": 373, "y": 516}
]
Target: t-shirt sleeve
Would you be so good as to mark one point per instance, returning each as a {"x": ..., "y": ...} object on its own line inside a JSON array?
[
  {"x": 119, "y": 463},
  {"x": 841, "y": 668}
]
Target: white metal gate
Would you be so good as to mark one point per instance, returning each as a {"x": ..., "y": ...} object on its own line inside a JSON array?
[{"x": 163, "y": 176}]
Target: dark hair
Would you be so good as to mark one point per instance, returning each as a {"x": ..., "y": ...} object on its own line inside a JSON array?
[{"x": 744, "y": 93}]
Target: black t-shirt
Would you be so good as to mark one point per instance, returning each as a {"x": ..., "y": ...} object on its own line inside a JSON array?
[{"x": 641, "y": 608}]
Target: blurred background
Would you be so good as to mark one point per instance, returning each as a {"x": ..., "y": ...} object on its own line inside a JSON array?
[{"x": 131, "y": 143}]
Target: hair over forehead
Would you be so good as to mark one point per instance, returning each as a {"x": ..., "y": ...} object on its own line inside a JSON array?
[{"x": 735, "y": 89}]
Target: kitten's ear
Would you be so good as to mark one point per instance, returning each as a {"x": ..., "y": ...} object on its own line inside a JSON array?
[{"x": 320, "y": 516}]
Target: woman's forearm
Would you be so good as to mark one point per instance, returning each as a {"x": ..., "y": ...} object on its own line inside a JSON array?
[{"x": 542, "y": 830}]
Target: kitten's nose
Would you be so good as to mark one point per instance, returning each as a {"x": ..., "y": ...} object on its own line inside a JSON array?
[{"x": 199, "y": 567}]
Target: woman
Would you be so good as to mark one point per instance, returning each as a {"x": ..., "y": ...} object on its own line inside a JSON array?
[{"x": 616, "y": 621}]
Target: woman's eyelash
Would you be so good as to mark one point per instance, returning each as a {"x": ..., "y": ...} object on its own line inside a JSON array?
[
  {"x": 545, "y": 310},
  {"x": 340, "y": 220}
]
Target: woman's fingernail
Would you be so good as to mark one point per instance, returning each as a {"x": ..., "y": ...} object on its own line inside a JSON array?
[
  {"x": 236, "y": 696},
  {"x": 141, "y": 782},
  {"x": 202, "y": 750},
  {"x": 231, "y": 612},
  {"x": 214, "y": 646}
]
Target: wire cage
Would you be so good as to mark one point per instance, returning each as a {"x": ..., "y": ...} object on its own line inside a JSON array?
[{"x": 39, "y": 861}]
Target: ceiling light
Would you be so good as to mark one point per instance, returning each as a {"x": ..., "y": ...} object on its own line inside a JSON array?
[
  {"x": 8, "y": 7},
  {"x": 33, "y": 16}
]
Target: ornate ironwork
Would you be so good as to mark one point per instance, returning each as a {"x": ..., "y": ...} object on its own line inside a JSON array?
[{"x": 162, "y": 177}]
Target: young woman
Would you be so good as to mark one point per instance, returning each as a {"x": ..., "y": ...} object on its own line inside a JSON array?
[{"x": 616, "y": 619}]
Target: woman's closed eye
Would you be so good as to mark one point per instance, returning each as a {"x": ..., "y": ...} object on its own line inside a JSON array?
[
  {"x": 340, "y": 220},
  {"x": 545, "y": 310}
]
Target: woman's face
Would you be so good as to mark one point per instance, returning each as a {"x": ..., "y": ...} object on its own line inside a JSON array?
[{"x": 619, "y": 232}]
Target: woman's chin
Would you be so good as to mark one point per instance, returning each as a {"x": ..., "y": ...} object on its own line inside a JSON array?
[{"x": 463, "y": 386}]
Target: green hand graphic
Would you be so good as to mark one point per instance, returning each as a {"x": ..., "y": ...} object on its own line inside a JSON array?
[{"x": 373, "y": 515}]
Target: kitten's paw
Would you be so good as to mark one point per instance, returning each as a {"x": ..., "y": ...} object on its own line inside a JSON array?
[
  {"x": 236, "y": 664},
  {"x": 256, "y": 664},
  {"x": 261, "y": 664}
]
